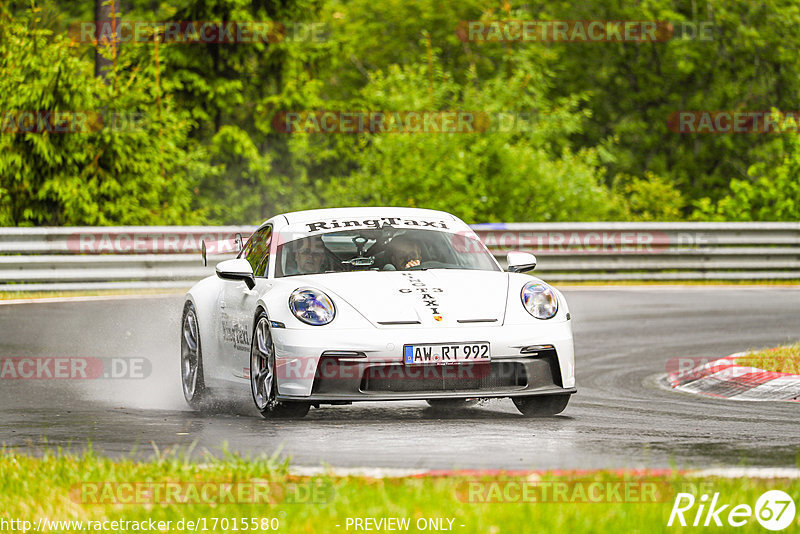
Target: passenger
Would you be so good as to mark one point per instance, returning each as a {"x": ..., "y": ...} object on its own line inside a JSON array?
[{"x": 405, "y": 253}]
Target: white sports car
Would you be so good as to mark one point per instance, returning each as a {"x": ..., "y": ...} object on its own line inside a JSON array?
[{"x": 340, "y": 305}]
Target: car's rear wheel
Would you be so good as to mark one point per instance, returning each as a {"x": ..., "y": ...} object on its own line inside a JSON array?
[
  {"x": 263, "y": 376},
  {"x": 451, "y": 404},
  {"x": 194, "y": 388},
  {"x": 541, "y": 405}
]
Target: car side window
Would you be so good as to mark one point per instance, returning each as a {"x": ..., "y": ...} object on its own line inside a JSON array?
[{"x": 256, "y": 252}]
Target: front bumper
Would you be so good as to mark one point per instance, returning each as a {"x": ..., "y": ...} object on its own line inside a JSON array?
[{"x": 328, "y": 365}]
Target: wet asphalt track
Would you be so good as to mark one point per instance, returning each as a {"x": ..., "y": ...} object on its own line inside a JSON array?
[{"x": 619, "y": 418}]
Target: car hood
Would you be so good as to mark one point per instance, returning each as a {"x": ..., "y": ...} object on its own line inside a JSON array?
[{"x": 397, "y": 299}]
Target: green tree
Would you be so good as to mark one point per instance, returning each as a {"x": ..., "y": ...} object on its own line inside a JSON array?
[
  {"x": 516, "y": 172},
  {"x": 649, "y": 198},
  {"x": 749, "y": 64},
  {"x": 771, "y": 191},
  {"x": 231, "y": 91},
  {"x": 107, "y": 172}
]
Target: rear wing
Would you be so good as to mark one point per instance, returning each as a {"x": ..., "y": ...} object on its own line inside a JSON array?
[{"x": 234, "y": 246}]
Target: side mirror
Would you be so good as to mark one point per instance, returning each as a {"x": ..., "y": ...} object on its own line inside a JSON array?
[
  {"x": 519, "y": 262},
  {"x": 237, "y": 269}
]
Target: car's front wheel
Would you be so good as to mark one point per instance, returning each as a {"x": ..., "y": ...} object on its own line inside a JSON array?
[
  {"x": 541, "y": 405},
  {"x": 263, "y": 376},
  {"x": 194, "y": 389}
]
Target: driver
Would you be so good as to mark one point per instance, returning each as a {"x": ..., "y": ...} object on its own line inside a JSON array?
[
  {"x": 309, "y": 255},
  {"x": 405, "y": 253}
]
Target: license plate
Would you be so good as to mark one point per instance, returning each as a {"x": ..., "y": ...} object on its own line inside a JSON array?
[{"x": 446, "y": 353}]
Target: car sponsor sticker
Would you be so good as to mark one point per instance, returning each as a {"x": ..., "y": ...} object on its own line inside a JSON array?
[
  {"x": 374, "y": 223},
  {"x": 425, "y": 293},
  {"x": 235, "y": 333}
]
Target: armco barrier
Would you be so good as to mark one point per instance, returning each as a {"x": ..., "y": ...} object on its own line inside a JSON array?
[{"x": 68, "y": 258}]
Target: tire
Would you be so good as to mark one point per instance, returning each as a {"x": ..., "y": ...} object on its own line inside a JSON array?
[
  {"x": 451, "y": 404},
  {"x": 541, "y": 405},
  {"x": 263, "y": 379},
  {"x": 192, "y": 381}
]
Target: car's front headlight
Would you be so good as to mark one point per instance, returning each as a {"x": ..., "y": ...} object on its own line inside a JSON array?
[
  {"x": 312, "y": 306},
  {"x": 539, "y": 299}
]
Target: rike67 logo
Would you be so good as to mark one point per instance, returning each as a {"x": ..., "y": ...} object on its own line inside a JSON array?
[{"x": 774, "y": 510}]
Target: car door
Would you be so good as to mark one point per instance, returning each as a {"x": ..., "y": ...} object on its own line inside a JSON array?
[{"x": 238, "y": 303}]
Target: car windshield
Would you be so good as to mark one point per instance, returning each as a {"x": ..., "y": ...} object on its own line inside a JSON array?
[{"x": 383, "y": 249}]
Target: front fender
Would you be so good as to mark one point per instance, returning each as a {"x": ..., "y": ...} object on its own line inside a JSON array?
[{"x": 204, "y": 296}]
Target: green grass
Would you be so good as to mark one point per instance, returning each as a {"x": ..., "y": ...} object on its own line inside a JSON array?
[
  {"x": 55, "y": 486},
  {"x": 14, "y": 295},
  {"x": 780, "y": 359}
]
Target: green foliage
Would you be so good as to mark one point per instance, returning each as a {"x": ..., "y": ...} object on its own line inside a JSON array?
[
  {"x": 231, "y": 92},
  {"x": 749, "y": 64},
  {"x": 516, "y": 173},
  {"x": 597, "y": 148},
  {"x": 771, "y": 192},
  {"x": 375, "y": 35},
  {"x": 106, "y": 174},
  {"x": 241, "y": 172},
  {"x": 651, "y": 198}
]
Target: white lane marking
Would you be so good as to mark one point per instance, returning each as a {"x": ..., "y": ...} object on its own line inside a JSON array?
[
  {"x": 394, "y": 472},
  {"x": 786, "y": 388},
  {"x": 782, "y": 388},
  {"x": 672, "y": 287},
  {"x": 54, "y": 300},
  {"x": 371, "y": 472},
  {"x": 749, "y": 472}
]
